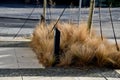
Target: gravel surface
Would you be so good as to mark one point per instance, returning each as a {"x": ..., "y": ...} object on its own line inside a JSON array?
[{"x": 60, "y": 72}]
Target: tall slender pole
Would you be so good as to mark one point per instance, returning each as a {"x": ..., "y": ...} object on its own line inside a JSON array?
[
  {"x": 80, "y": 4},
  {"x": 117, "y": 47},
  {"x": 92, "y": 2},
  {"x": 100, "y": 19},
  {"x": 71, "y": 9},
  {"x": 44, "y": 8}
]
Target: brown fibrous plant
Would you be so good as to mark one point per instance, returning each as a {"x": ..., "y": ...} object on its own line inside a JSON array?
[{"x": 77, "y": 47}]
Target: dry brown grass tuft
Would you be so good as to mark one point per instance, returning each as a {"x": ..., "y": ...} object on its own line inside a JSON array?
[{"x": 77, "y": 47}]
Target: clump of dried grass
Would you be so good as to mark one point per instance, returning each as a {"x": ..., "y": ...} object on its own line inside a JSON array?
[{"x": 77, "y": 47}]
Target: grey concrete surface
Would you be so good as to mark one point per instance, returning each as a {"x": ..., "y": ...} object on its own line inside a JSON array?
[{"x": 12, "y": 18}]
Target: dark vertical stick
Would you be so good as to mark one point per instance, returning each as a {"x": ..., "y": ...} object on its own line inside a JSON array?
[
  {"x": 50, "y": 13},
  {"x": 117, "y": 47},
  {"x": 90, "y": 14},
  {"x": 56, "y": 46},
  {"x": 100, "y": 19},
  {"x": 79, "y": 17},
  {"x": 42, "y": 21}
]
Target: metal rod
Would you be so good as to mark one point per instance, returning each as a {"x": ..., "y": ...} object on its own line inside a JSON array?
[
  {"x": 50, "y": 13},
  {"x": 24, "y": 22},
  {"x": 117, "y": 47},
  {"x": 58, "y": 19},
  {"x": 100, "y": 19},
  {"x": 79, "y": 17},
  {"x": 51, "y": 4},
  {"x": 70, "y": 15}
]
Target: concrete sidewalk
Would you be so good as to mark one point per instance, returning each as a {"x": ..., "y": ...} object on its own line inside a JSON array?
[
  {"x": 22, "y": 64},
  {"x": 56, "y": 78},
  {"x": 23, "y": 11},
  {"x": 17, "y": 58},
  {"x": 13, "y": 18}
]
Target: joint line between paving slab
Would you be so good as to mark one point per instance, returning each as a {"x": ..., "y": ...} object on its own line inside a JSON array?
[
  {"x": 18, "y": 64},
  {"x": 104, "y": 76}
]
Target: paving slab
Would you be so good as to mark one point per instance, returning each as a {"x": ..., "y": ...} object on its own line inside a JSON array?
[
  {"x": 27, "y": 59},
  {"x": 64, "y": 78},
  {"x": 28, "y": 65},
  {"x": 118, "y": 71},
  {"x": 36, "y": 78},
  {"x": 91, "y": 78},
  {"x": 24, "y": 52},
  {"x": 8, "y": 58},
  {"x": 16, "y": 58},
  {"x": 113, "y": 78},
  {"x": 10, "y": 78},
  {"x": 8, "y": 62}
]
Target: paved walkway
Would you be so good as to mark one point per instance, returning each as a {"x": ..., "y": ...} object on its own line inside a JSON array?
[
  {"x": 17, "y": 58},
  {"x": 20, "y": 63},
  {"x": 12, "y": 18}
]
